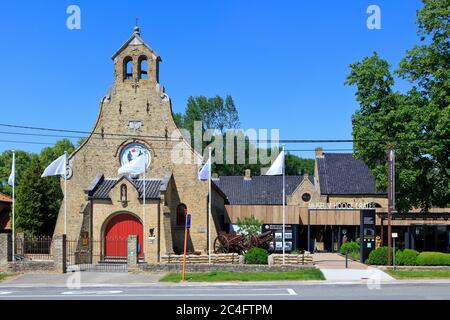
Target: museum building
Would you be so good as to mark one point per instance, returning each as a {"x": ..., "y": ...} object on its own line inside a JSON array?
[{"x": 135, "y": 118}]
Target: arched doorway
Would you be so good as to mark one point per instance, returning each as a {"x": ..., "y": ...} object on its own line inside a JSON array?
[{"x": 117, "y": 231}]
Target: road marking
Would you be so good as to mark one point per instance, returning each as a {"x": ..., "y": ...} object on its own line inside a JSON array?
[
  {"x": 291, "y": 292},
  {"x": 5, "y": 292},
  {"x": 92, "y": 292}
]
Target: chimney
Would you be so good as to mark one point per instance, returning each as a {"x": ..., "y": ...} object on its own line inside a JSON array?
[
  {"x": 319, "y": 152},
  {"x": 305, "y": 176},
  {"x": 248, "y": 174}
]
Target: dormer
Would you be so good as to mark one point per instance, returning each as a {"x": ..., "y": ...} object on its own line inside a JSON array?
[{"x": 135, "y": 62}]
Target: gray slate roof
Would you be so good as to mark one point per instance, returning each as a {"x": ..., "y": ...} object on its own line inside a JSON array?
[
  {"x": 257, "y": 190},
  {"x": 104, "y": 186},
  {"x": 342, "y": 174}
]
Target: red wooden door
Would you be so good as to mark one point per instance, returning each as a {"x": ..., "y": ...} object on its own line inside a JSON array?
[{"x": 117, "y": 232}]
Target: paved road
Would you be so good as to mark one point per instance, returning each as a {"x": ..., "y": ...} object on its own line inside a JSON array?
[{"x": 290, "y": 291}]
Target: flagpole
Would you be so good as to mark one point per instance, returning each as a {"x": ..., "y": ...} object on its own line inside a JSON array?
[
  {"x": 145, "y": 227},
  {"x": 284, "y": 209},
  {"x": 13, "y": 205},
  {"x": 65, "y": 194},
  {"x": 209, "y": 206}
]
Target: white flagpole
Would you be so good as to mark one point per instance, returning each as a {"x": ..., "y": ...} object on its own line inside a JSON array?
[
  {"x": 145, "y": 227},
  {"x": 13, "y": 210},
  {"x": 65, "y": 194},
  {"x": 209, "y": 206},
  {"x": 284, "y": 209}
]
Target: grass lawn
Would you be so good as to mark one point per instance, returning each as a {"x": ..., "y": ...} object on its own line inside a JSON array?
[
  {"x": 419, "y": 274},
  {"x": 301, "y": 274},
  {"x": 4, "y": 275}
]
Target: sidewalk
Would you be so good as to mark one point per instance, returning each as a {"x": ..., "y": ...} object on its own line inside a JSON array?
[
  {"x": 85, "y": 278},
  {"x": 335, "y": 261},
  {"x": 333, "y": 268}
]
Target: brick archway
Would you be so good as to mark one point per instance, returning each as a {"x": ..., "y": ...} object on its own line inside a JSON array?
[{"x": 117, "y": 230}]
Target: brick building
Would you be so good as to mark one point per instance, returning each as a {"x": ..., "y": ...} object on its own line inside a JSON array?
[
  {"x": 5, "y": 212},
  {"x": 135, "y": 117}
]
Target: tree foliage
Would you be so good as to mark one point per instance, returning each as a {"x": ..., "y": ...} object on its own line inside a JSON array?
[
  {"x": 249, "y": 225},
  {"x": 417, "y": 122},
  {"x": 37, "y": 199},
  {"x": 221, "y": 114}
]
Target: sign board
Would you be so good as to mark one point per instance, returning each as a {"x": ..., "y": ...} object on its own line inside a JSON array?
[
  {"x": 188, "y": 221},
  {"x": 395, "y": 235},
  {"x": 290, "y": 237},
  {"x": 367, "y": 233}
]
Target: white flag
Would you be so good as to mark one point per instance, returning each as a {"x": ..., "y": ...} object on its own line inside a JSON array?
[
  {"x": 12, "y": 176},
  {"x": 277, "y": 166},
  {"x": 56, "y": 167},
  {"x": 135, "y": 166},
  {"x": 205, "y": 171}
]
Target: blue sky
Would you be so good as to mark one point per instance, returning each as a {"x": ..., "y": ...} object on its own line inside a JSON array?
[{"x": 284, "y": 62}]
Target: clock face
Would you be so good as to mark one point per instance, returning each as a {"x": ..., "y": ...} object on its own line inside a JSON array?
[{"x": 132, "y": 151}]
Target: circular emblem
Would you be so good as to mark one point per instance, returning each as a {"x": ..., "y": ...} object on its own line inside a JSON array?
[{"x": 132, "y": 151}]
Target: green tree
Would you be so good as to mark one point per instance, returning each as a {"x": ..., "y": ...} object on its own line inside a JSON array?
[
  {"x": 298, "y": 166},
  {"x": 36, "y": 207},
  {"x": 417, "y": 122},
  {"x": 49, "y": 154},
  {"x": 249, "y": 226},
  {"x": 221, "y": 114},
  {"x": 22, "y": 161}
]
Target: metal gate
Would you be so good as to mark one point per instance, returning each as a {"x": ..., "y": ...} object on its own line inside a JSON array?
[{"x": 86, "y": 254}]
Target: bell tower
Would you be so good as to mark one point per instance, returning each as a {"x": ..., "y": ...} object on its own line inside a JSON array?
[{"x": 135, "y": 63}]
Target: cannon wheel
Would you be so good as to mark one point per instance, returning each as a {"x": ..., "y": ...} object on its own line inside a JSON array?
[{"x": 221, "y": 244}]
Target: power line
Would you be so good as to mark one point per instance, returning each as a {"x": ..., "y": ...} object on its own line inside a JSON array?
[
  {"x": 163, "y": 138},
  {"x": 156, "y": 148}
]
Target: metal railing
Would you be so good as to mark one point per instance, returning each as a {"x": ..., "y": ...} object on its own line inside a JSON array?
[{"x": 33, "y": 248}]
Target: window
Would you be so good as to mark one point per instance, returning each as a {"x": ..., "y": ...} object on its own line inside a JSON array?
[
  {"x": 143, "y": 67},
  {"x": 128, "y": 68},
  {"x": 306, "y": 197},
  {"x": 123, "y": 193},
  {"x": 181, "y": 214}
]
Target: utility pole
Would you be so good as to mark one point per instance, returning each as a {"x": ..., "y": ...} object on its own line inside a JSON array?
[{"x": 391, "y": 196}]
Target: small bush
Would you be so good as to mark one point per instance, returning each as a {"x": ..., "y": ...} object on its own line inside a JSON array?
[
  {"x": 407, "y": 257},
  {"x": 433, "y": 259},
  {"x": 350, "y": 247},
  {"x": 379, "y": 256},
  {"x": 256, "y": 256}
]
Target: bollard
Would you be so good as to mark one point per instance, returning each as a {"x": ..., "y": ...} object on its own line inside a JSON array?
[{"x": 346, "y": 259}]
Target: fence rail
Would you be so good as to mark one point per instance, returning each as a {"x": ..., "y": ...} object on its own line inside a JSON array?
[{"x": 33, "y": 248}]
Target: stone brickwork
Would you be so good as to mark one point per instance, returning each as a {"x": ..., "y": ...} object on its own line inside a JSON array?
[
  {"x": 292, "y": 259},
  {"x": 5, "y": 248},
  {"x": 30, "y": 266},
  {"x": 226, "y": 258},
  {"x": 60, "y": 253},
  {"x": 137, "y": 110},
  {"x": 132, "y": 252}
]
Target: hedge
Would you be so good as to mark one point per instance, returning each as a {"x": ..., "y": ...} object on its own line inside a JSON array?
[
  {"x": 256, "y": 256},
  {"x": 350, "y": 247},
  {"x": 407, "y": 257},
  {"x": 433, "y": 259},
  {"x": 379, "y": 256}
]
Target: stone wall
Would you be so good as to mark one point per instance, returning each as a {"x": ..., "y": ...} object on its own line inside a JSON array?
[
  {"x": 227, "y": 258},
  {"x": 294, "y": 259},
  {"x": 30, "y": 266}
]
